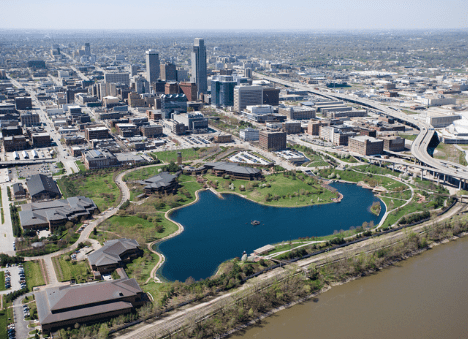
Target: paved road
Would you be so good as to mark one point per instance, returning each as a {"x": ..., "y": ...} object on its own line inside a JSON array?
[
  {"x": 6, "y": 230},
  {"x": 21, "y": 325}
]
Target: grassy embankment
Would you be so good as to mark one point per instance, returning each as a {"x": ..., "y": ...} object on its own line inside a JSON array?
[
  {"x": 285, "y": 190},
  {"x": 80, "y": 165},
  {"x": 450, "y": 153},
  {"x": 98, "y": 185}
]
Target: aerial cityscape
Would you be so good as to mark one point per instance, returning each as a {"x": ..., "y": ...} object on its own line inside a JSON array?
[{"x": 239, "y": 180}]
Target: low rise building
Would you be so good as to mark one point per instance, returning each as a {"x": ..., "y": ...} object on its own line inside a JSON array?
[
  {"x": 365, "y": 145},
  {"x": 29, "y": 119},
  {"x": 95, "y": 159},
  {"x": 297, "y": 112},
  {"x": 222, "y": 138},
  {"x": 42, "y": 187},
  {"x": 249, "y": 134},
  {"x": 393, "y": 144},
  {"x": 151, "y": 131},
  {"x": 114, "y": 254},
  {"x": 272, "y": 141},
  {"x": 164, "y": 182},
  {"x": 40, "y": 139},
  {"x": 14, "y": 143},
  {"x": 195, "y": 122},
  {"x": 292, "y": 127},
  {"x": 52, "y": 214},
  {"x": 65, "y": 306},
  {"x": 97, "y": 133}
]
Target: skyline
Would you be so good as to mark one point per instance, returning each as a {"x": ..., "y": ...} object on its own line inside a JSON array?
[{"x": 214, "y": 15}]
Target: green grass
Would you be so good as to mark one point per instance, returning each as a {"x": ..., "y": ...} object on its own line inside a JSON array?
[
  {"x": 157, "y": 290},
  {"x": 79, "y": 271},
  {"x": 285, "y": 188},
  {"x": 80, "y": 166},
  {"x": 98, "y": 186},
  {"x": 187, "y": 154},
  {"x": 2, "y": 281},
  {"x": 129, "y": 226},
  {"x": 140, "y": 268},
  {"x": 32, "y": 271},
  {"x": 411, "y": 137},
  {"x": 316, "y": 160},
  {"x": 3, "y": 324},
  {"x": 143, "y": 173}
]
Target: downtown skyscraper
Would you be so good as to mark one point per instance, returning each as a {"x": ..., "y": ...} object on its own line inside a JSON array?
[
  {"x": 152, "y": 66},
  {"x": 199, "y": 65}
]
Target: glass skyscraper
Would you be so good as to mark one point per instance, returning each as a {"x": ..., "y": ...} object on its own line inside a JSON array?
[{"x": 199, "y": 65}]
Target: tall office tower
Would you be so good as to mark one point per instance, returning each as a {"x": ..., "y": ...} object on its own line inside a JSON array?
[
  {"x": 152, "y": 66},
  {"x": 87, "y": 48},
  {"x": 199, "y": 65},
  {"x": 133, "y": 70},
  {"x": 168, "y": 72},
  {"x": 222, "y": 91},
  {"x": 245, "y": 95}
]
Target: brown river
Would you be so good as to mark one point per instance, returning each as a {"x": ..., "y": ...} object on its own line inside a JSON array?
[{"x": 423, "y": 297}]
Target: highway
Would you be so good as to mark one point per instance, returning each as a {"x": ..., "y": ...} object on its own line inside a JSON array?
[{"x": 419, "y": 146}]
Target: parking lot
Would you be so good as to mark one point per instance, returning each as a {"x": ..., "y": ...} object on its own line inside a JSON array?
[
  {"x": 29, "y": 170},
  {"x": 14, "y": 278}
]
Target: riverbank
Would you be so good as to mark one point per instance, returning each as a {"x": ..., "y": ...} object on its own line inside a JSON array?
[{"x": 411, "y": 307}]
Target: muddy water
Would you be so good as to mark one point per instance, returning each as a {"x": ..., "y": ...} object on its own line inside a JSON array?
[{"x": 423, "y": 297}]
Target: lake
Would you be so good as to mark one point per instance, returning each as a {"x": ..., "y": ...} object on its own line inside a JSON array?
[{"x": 220, "y": 229}]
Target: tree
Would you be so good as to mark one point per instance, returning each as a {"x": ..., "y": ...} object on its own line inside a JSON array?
[{"x": 103, "y": 331}]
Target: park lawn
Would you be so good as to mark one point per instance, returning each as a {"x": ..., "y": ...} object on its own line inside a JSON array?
[
  {"x": 132, "y": 226},
  {"x": 280, "y": 186},
  {"x": 187, "y": 154},
  {"x": 406, "y": 194},
  {"x": 78, "y": 270},
  {"x": 140, "y": 268},
  {"x": 315, "y": 161},
  {"x": 33, "y": 273},
  {"x": 98, "y": 186},
  {"x": 142, "y": 173},
  {"x": 2, "y": 281},
  {"x": 80, "y": 165}
]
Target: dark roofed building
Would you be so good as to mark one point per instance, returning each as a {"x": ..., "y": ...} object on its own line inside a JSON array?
[
  {"x": 64, "y": 306},
  {"x": 19, "y": 191},
  {"x": 51, "y": 214},
  {"x": 234, "y": 170},
  {"x": 42, "y": 187},
  {"x": 163, "y": 182},
  {"x": 113, "y": 254}
]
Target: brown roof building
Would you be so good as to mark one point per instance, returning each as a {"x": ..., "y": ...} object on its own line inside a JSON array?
[{"x": 64, "y": 306}]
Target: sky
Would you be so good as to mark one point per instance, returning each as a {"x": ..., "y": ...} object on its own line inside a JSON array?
[{"x": 234, "y": 14}]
